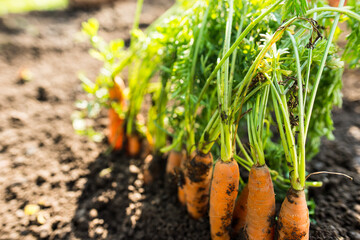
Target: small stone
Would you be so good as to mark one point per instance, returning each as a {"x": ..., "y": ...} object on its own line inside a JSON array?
[
  {"x": 44, "y": 234},
  {"x": 93, "y": 213},
  {"x": 20, "y": 213},
  {"x": 43, "y": 202},
  {"x": 135, "y": 197},
  {"x": 41, "y": 219},
  {"x": 31, "y": 209},
  {"x": 355, "y": 235},
  {"x": 134, "y": 169},
  {"x": 30, "y": 151},
  {"x": 138, "y": 183}
]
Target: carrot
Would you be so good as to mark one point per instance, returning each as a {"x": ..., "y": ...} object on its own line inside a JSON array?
[
  {"x": 224, "y": 185},
  {"x": 197, "y": 181},
  {"x": 116, "y": 124},
  {"x": 173, "y": 161},
  {"x": 116, "y": 130},
  {"x": 335, "y": 3},
  {"x": 181, "y": 181},
  {"x": 261, "y": 205},
  {"x": 148, "y": 178},
  {"x": 240, "y": 211},
  {"x": 294, "y": 220},
  {"x": 133, "y": 145}
]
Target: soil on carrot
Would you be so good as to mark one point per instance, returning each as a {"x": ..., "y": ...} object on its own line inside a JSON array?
[{"x": 84, "y": 193}]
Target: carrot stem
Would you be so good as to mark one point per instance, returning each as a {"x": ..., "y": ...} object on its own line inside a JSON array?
[
  {"x": 232, "y": 48},
  {"x": 301, "y": 139}
]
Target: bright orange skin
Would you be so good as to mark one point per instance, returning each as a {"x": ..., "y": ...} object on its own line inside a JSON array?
[
  {"x": 224, "y": 186},
  {"x": 261, "y": 205},
  {"x": 116, "y": 124},
  {"x": 240, "y": 211},
  {"x": 181, "y": 189},
  {"x": 116, "y": 130},
  {"x": 173, "y": 161},
  {"x": 133, "y": 145},
  {"x": 294, "y": 223},
  {"x": 197, "y": 181},
  {"x": 335, "y": 3}
]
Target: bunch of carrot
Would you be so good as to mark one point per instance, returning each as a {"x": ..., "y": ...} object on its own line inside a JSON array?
[{"x": 232, "y": 74}]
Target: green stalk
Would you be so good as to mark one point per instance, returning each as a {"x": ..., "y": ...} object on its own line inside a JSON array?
[
  {"x": 212, "y": 129},
  {"x": 233, "y": 60},
  {"x": 254, "y": 66},
  {"x": 189, "y": 120},
  {"x": 232, "y": 48},
  {"x": 301, "y": 140},
  {"x": 244, "y": 152},
  {"x": 339, "y": 9},
  {"x": 125, "y": 61},
  {"x": 243, "y": 162},
  {"x": 137, "y": 14},
  {"x": 290, "y": 140},
  {"x": 226, "y": 122},
  {"x": 321, "y": 68},
  {"x": 281, "y": 130},
  {"x": 160, "y": 136}
]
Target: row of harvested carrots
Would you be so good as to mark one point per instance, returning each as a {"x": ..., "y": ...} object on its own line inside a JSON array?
[{"x": 252, "y": 211}]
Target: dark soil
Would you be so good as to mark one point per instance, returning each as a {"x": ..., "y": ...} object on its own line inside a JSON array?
[{"x": 84, "y": 193}]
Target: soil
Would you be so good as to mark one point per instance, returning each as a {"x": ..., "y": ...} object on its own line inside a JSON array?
[{"x": 85, "y": 193}]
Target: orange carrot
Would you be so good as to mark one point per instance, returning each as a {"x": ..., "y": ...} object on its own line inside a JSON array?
[
  {"x": 224, "y": 185},
  {"x": 260, "y": 205},
  {"x": 335, "y": 3},
  {"x": 181, "y": 181},
  {"x": 197, "y": 181},
  {"x": 116, "y": 124},
  {"x": 294, "y": 220},
  {"x": 240, "y": 211},
  {"x": 173, "y": 161},
  {"x": 148, "y": 178},
  {"x": 116, "y": 130},
  {"x": 133, "y": 145}
]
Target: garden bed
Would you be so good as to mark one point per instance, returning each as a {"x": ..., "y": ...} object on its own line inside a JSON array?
[{"x": 43, "y": 162}]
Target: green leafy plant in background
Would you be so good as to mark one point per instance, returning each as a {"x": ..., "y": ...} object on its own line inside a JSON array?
[
  {"x": 111, "y": 54},
  {"x": 20, "y": 6}
]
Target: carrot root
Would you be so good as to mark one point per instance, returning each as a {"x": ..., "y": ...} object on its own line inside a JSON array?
[
  {"x": 116, "y": 124},
  {"x": 197, "y": 181},
  {"x": 181, "y": 180},
  {"x": 116, "y": 130},
  {"x": 173, "y": 161},
  {"x": 133, "y": 145},
  {"x": 294, "y": 223},
  {"x": 224, "y": 186},
  {"x": 240, "y": 211},
  {"x": 261, "y": 205}
]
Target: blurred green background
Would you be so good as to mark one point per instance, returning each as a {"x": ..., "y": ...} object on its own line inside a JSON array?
[{"x": 18, "y": 6}]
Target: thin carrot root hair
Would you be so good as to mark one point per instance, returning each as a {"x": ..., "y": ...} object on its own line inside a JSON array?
[
  {"x": 293, "y": 222},
  {"x": 240, "y": 211},
  {"x": 261, "y": 205},
  {"x": 197, "y": 181},
  {"x": 224, "y": 186}
]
